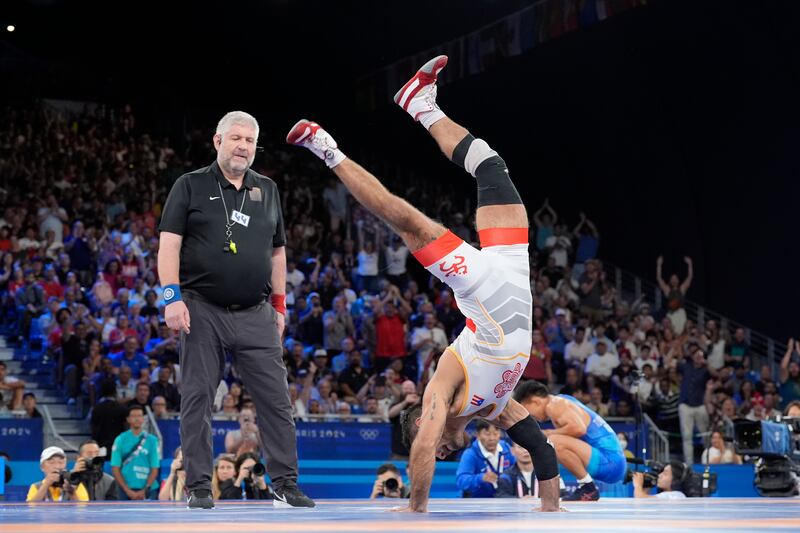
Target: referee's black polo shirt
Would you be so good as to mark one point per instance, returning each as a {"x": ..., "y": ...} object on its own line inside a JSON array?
[{"x": 195, "y": 210}]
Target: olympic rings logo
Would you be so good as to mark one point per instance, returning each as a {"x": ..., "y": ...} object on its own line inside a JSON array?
[{"x": 369, "y": 434}]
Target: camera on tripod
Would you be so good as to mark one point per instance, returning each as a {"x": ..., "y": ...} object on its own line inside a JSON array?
[{"x": 777, "y": 446}]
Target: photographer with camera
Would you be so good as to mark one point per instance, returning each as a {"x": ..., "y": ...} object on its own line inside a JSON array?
[
  {"x": 88, "y": 470},
  {"x": 669, "y": 483},
  {"x": 174, "y": 487},
  {"x": 389, "y": 483},
  {"x": 56, "y": 486},
  {"x": 249, "y": 483}
]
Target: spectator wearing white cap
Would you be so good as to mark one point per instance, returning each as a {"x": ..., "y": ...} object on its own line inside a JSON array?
[{"x": 55, "y": 487}]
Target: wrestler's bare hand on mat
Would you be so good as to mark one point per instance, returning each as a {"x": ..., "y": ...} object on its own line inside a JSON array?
[
  {"x": 550, "y": 510},
  {"x": 404, "y": 510}
]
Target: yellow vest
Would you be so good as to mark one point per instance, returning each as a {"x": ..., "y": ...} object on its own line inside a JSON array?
[{"x": 55, "y": 493}]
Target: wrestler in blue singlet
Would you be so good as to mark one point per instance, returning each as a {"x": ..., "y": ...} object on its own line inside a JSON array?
[{"x": 607, "y": 463}]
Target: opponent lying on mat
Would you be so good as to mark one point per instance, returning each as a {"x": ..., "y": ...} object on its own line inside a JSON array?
[
  {"x": 477, "y": 373},
  {"x": 585, "y": 443}
]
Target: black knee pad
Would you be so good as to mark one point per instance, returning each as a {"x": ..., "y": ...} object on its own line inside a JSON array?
[
  {"x": 494, "y": 183},
  {"x": 528, "y": 434},
  {"x": 460, "y": 152}
]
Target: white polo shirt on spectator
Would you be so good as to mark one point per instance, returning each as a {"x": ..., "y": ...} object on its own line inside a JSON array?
[
  {"x": 367, "y": 264},
  {"x": 578, "y": 353},
  {"x": 52, "y": 221},
  {"x": 602, "y": 365},
  {"x": 295, "y": 277},
  {"x": 396, "y": 260}
]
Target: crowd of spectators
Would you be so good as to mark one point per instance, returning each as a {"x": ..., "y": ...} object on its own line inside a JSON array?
[{"x": 80, "y": 202}]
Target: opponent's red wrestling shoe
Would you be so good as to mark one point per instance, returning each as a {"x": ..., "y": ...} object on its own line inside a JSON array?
[
  {"x": 418, "y": 95},
  {"x": 311, "y": 135}
]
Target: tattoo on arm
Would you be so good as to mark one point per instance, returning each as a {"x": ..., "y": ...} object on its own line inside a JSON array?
[{"x": 433, "y": 406}]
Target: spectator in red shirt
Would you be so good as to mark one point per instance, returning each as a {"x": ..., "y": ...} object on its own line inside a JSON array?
[
  {"x": 390, "y": 327},
  {"x": 132, "y": 268},
  {"x": 113, "y": 276},
  {"x": 5, "y": 239},
  {"x": 52, "y": 287},
  {"x": 539, "y": 367},
  {"x": 17, "y": 280},
  {"x": 123, "y": 330}
]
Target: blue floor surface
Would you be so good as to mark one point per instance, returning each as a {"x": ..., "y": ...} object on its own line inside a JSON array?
[{"x": 364, "y": 516}]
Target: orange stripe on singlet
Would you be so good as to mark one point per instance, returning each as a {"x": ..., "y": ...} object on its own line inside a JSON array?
[
  {"x": 503, "y": 236},
  {"x": 430, "y": 253}
]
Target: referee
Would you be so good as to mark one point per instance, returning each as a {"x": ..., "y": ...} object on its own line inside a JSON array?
[{"x": 222, "y": 256}]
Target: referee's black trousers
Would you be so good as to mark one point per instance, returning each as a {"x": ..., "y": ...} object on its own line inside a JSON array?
[{"x": 251, "y": 336}]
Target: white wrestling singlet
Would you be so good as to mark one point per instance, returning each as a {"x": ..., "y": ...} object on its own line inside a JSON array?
[{"x": 492, "y": 289}]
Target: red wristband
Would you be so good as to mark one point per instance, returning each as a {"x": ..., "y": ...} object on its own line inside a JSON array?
[{"x": 278, "y": 301}]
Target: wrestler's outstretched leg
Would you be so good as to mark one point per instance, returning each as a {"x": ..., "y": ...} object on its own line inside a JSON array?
[
  {"x": 416, "y": 229},
  {"x": 501, "y": 217}
]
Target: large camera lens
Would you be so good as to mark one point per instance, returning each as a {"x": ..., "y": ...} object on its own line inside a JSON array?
[
  {"x": 258, "y": 469},
  {"x": 391, "y": 484},
  {"x": 75, "y": 478},
  {"x": 650, "y": 480}
]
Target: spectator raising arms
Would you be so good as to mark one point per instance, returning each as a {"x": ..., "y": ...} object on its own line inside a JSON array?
[
  {"x": 675, "y": 293},
  {"x": 790, "y": 374},
  {"x": 545, "y": 220}
]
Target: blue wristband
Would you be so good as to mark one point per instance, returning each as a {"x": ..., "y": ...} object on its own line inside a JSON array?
[{"x": 172, "y": 293}]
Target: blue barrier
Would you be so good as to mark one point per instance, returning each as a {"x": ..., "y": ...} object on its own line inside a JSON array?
[
  {"x": 354, "y": 478},
  {"x": 331, "y": 440},
  {"x": 338, "y": 460},
  {"x": 732, "y": 480},
  {"x": 21, "y": 438},
  {"x": 320, "y": 440}
]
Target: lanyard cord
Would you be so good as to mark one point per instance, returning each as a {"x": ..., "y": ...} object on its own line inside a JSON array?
[
  {"x": 499, "y": 469},
  {"x": 228, "y": 223}
]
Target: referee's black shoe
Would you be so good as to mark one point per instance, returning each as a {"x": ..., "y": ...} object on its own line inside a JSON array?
[
  {"x": 288, "y": 494},
  {"x": 200, "y": 499}
]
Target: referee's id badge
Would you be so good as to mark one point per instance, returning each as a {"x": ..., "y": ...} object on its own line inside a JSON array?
[{"x": 240, "y": 218}]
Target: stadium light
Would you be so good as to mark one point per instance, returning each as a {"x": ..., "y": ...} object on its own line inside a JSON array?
[{"x": 10, "y": 28}]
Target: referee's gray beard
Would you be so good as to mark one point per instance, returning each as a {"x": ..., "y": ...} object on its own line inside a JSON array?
[{"x": 226, "y": 166}]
